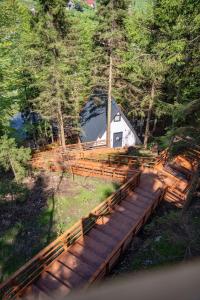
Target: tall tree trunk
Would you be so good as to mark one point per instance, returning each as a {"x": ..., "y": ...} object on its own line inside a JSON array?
[
  {"x": 141, "y": 126},
  {"x": 12, "y": 167},
  {"x": 34, "y": 137},
  {"x": 52, "y": 137},
  {"x": 46, "y": 133},
  {"x": 61, "y": 125},
  {"x": 108, "y": 135},
  {"x": 169, "y": 149},
  {"x": 154, "y": 126},
  {"x": 79, "y": 143},
  {"x": 151, "y": 102}
]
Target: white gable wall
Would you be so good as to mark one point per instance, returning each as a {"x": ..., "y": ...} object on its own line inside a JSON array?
[{"x": 129, "y": 138}]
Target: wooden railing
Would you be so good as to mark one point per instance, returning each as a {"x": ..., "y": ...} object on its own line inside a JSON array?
[
  {"x": 72, "y": 147},
  {"x": 86, "y": 146},
  {"x": 122, "y": 159},
  {"x": 16, "y": 284},
  {"x": 102, "y": 170}
]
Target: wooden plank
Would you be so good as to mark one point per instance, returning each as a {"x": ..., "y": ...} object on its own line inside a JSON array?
[
  {"x": 86, "y": 255},
  {"x": 76, "y": 264},
  {"x": 135, "y": 206},
  {"x": 34, "y": 293},
  {"x": 145, "y": 193},
  {"x": 52, "y": 286},
  {"x": 69, "y": 277},
  {"x": 126, "y": 212},
  {"x": 121, "y": 228},
  {"x": 98, "y": 248},
  {"x": 100, "y": 236}
]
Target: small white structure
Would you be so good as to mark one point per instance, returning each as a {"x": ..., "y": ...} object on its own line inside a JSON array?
[{"x": 94, "y": 123}]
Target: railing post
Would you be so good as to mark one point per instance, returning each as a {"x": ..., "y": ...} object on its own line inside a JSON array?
[
  {"x": 109, "y": 206},
  {"x": 82, "y": 227}
]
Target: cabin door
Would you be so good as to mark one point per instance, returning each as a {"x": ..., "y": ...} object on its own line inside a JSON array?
[{"x": 117, "y": 139}]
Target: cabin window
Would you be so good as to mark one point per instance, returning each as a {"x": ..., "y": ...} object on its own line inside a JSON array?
[{"x": 117, "y": 118}]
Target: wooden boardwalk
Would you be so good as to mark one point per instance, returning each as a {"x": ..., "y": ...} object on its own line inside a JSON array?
[
  {"x": 86, "y": 253},
  {"x": 93, "y": 253}
]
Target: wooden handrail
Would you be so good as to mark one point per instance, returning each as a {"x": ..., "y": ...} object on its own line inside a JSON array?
[
  {"x": 120, "y": 159},
  {"x": 86, "y": 144}
]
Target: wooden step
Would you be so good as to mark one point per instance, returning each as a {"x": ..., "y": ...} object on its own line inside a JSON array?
[
  {"x": 126, "y": 212},
  {"x": 145, "y": 193},
  {"x": 98, "y": 248},
  {"x": 102, "y": 237},
  {"x": 136, "y": 206},
  {"x": 52, "y": 286},
  {"x": 121, "y": 228},
  {"x": 33, "y": 293},
  {"x": 86, "y": 255},
  {"x": 76, "y": 264},
  {"x": 67, "y": 276},
  {"x": 110, "y": 230}
]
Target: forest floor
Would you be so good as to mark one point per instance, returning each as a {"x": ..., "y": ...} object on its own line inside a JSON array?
[
  {"x": 169, "y": 237},
  {"x": 36, "y": 212}
]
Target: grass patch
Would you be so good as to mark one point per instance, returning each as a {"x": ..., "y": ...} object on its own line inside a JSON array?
[{"x": 64, "y": 211}]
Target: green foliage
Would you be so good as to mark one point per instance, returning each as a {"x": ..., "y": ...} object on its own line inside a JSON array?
[
  {"x": 12, "y": 191},
  {"x": 177, "y": 40},
  {"x": 110, "y": 38},
  {"x": 52, "y": 58},
  {"x": 12, "y": 157}
]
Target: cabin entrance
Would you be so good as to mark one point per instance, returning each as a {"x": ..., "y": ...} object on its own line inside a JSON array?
[{"x": 117, "y": 139}]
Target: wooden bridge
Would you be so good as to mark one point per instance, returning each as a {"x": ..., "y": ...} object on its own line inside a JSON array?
[{"x": 84, "y": 254}]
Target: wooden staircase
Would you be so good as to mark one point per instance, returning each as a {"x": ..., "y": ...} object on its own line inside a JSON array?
[{"x": 86, "y": 253}]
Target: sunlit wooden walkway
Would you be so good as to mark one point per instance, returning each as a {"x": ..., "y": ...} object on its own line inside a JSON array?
[
  {"x": 86, "y": 253},
  {"x": 94, "y": 252}
]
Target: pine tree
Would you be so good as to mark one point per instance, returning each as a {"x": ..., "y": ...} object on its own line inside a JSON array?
[
  {"x": 143, "y": 69},
  {"x": 64, "y": 75},
  {"x": 13, "y": 24},
  {"x": 110, "y": 42},
  {"x": 50, "y": 25},
  {"x": 177, "y": 25}
]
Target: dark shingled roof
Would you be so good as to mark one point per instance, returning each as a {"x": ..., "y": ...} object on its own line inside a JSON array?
[{"x": 93, "y": 117}]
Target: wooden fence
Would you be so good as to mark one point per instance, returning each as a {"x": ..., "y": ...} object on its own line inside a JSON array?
[
  {"x": 17, "y": 283},
  {"x": 102, "y": 171},
  {"x": 128, "y": 160},
  {"x": 71, "y": 147},
  {"x": 86, "y": 146}
]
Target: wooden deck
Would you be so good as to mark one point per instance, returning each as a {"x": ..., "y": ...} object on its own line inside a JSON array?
[
  {"x": 178, "y": 176},
  {"x": 65, "y": 267}
]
